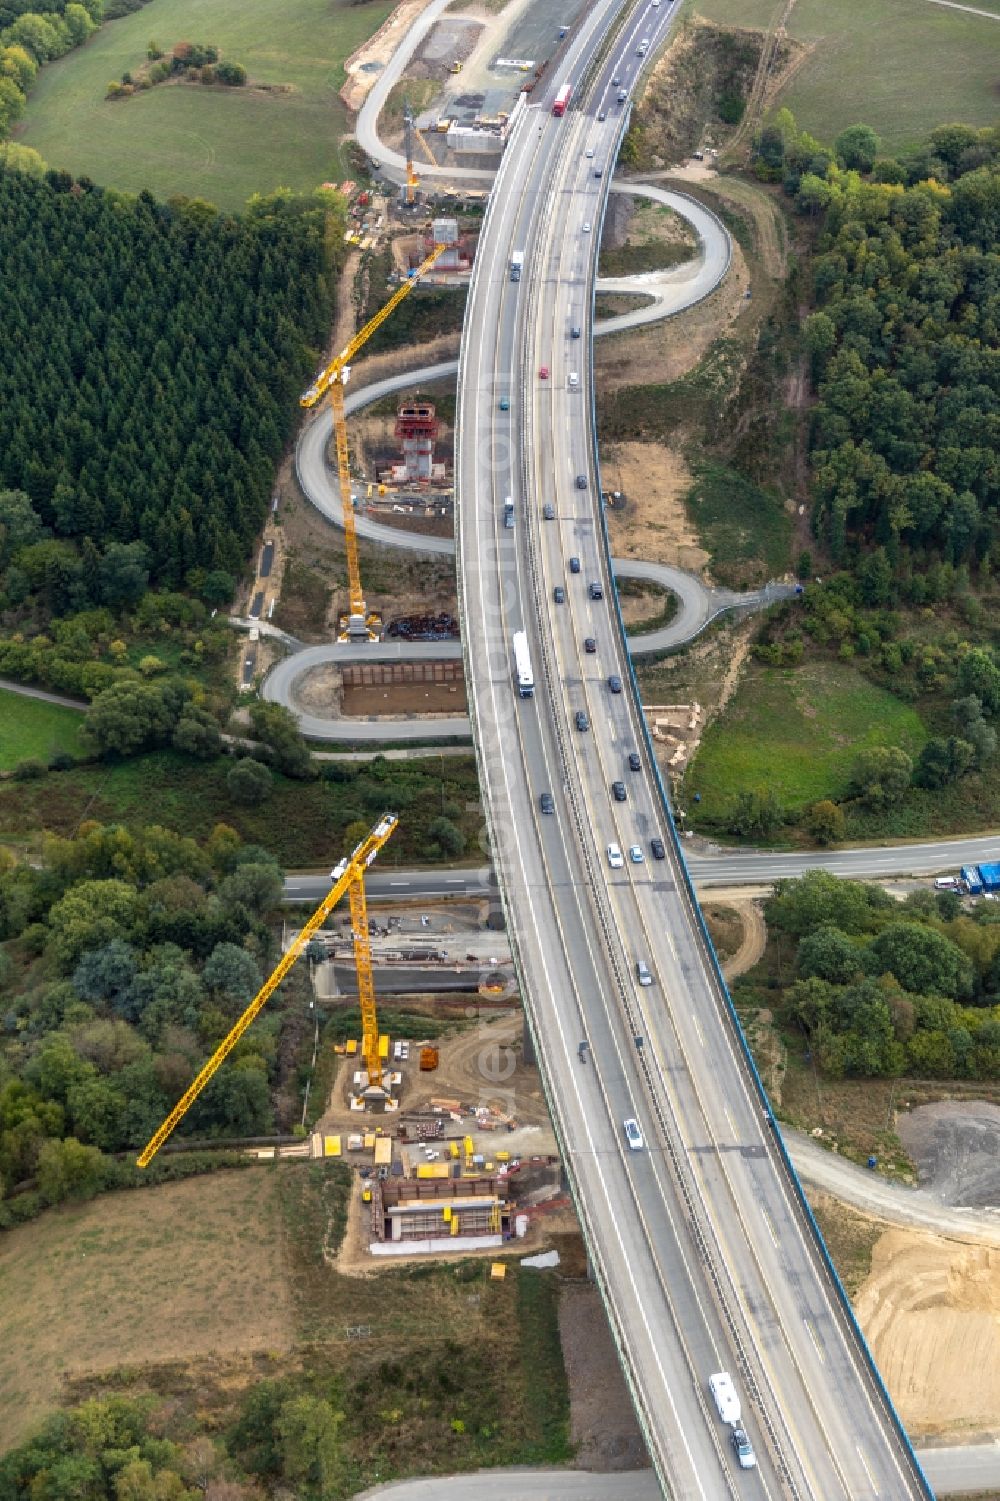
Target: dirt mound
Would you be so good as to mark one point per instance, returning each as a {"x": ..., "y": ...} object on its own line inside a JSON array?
[
  {"x": 698, "y": 91},
  {"x": 931, "y": 1312},
  {"x": 956, "y": 1147}
]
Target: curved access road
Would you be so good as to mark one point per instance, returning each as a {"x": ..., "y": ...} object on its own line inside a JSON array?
[
  {"x": 670, "y": 291},
  {"x": 958, "y": 1470},
  {"x": 279, "y": 688},
  {"x": 366, "y": 130}
]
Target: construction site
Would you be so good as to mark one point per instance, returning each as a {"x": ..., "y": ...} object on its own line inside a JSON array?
[{"x": 452, "y": 1159}]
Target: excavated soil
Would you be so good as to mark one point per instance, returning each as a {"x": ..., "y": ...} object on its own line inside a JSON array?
[
  {"x": 654, "y": 522},
  {"x": 603, "y": 1424},
  {"x": 405, "y": 698},
  {"x": 955, "y": 1147},
  {"x": 930, "y": 1309}
]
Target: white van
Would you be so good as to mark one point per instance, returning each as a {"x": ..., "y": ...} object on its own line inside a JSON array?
[
  {"x": 574, "y": 380},
  {"x": 724, "y": 1393},
  {"x": 946, "y": 883}
]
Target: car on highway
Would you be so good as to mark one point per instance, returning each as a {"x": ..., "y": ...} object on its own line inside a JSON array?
[
  {"x": 614, "y": 683},
  {"x": 582, "y": 722},
  {"x": 598, "y": 171},
  {"x": 586, "y": 226},
  {"x": 574, "y": 380},
  {"x": 504, "y": 404},
  {"x": 549, "y": 511},
  {"x": 543, "y": 372},
  {"x": 743, "y": 1449},
  {"x": 634, "y": 761},
  {"x": 618, "y": 792},
  {"x": 575, "y": 331},
  {"x": 615, "y": 857},
  {"x": 616, "y": 80},
  {"x": 603, "y": 115},
  {"x": 547, "y": 803},
  {"x": 574, "y": 565},
  {"x": 658, "y": 851},
  {"x": 633, "y": 1135},
  {"x": 589, "y": 151},
  {"x": 596, "y": 589},
  {"x": 642, "y": 973},
  {"x": 559, "y": 594},
  {"x": 589, "y": 645},
  {"x": 581, "y": 482},
  {"x": 635, "y": 854}
]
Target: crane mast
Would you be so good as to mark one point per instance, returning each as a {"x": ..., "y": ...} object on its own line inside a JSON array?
[{"x": 330, "y": 383}]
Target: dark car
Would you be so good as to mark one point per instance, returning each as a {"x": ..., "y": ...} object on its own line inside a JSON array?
[
  {"x": 582, "y": 722},
  {"x": 618, "y": 792},
  {"x": 546, "y": 803},
  {"x": 581, "y": 482},
  {"x": 615, "y": 683},
  {"x": 549, "y": 511},
  {"x": 656, "y": 845},
  {"x": 634, "y": 762},
  {"x": 575, "y": 331},
  {"x": 603, "y": 115},
  {"x": 589, "y": 645},
  {"x": 559, "y": 594},
  {"x": 744, "y": 1449},
  {"x": 598, "y": 171},
  {"x": 574, "y": 565},
  {"x": 596, "y": 589}
]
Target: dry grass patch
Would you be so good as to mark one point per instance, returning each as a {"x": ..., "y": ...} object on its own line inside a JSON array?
[{"x": 186, "y": 1270}]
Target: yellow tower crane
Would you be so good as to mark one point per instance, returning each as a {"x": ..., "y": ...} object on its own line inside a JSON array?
[
  {"x": 412, "y": 180},
  {"x": 330, "y": 382},
  {"x": 349, "y": 876}
]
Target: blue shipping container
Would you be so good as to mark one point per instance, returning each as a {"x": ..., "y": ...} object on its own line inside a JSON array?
[
  {"x": 990, "y": 875},
  {"x": 970, "y": 875}
]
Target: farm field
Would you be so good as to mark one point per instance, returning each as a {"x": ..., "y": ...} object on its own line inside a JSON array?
[
  {"x": 215, "y": 143},
  {"x": 33, "y": 730},
  {"x": 899, "y": 66},
  {"x": 796, "y": 732}
]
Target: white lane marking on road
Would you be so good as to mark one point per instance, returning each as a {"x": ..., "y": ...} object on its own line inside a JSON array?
[
  {"x": 811, "y": 1330},
  {"x": 697, "y": 1027},
  {"x": 770, "y": 1226},
  {"x": 861, "y": 1456}
]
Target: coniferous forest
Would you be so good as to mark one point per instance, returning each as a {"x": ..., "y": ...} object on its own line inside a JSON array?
[{"x": 155, "y": 355}]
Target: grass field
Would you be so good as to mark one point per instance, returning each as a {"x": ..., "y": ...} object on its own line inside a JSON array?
[
  {"x": 198, "y": 1290},
  {"x": 901, "y": 66},
  {"x": 33, "y": 730},
  {"x": 215, "y": 143},
  {"x": 745, "y": 529},
  {"x": 796, "y": 732}
]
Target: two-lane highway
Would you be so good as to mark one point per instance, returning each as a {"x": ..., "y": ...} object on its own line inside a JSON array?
[{"x": 702, "y": 1246}]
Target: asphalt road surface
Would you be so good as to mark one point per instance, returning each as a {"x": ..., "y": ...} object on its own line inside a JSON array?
[
  {"x": 963, "y": 1469},
  {"x": 725, "y": 868},
  {"x": 699, "y": 1240}
]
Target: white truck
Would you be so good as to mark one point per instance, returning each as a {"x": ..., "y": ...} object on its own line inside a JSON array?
[
  {"x": 516, "y": 263},
  {"x": 522, "y": 666},
  {"x": 726, "y": 1400}
]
